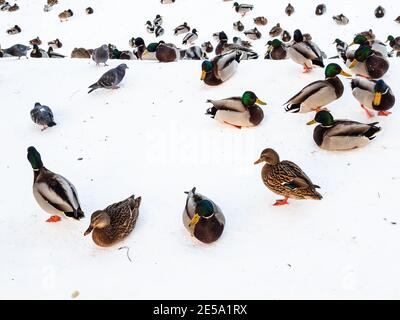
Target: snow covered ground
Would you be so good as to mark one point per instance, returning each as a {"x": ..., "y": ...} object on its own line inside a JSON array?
[{"x": 151, "y": 138}]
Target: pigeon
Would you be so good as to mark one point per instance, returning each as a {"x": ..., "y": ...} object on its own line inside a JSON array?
[
  {"x": 43, "y": 116},
  {"x": 18, "y": 50},
  {"x": 190, "y": 37},
  {"x": 149, "y": 27},
  {"x": 157, "y": 21},
  {"x": 110, "y": 79},
  {"x": 183, "y": 28},
  {"x": 159, "y": 31},
  {"x": 101, "y": 54}
]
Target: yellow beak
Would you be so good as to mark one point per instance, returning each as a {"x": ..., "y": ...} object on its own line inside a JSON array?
[
  {"x": 261, "y": 102},
  {"x": 351, "y": 44},
  {"x": 194, "y": 220},
  {"x": 353, "y": 63},
  {"x": 311, "y": 122},
  {"x": 203, "y": 75},
  {"x": 270, "y": 49},
  {"x": 343, "y": 73},
  {"x": 377, "y": 98}
]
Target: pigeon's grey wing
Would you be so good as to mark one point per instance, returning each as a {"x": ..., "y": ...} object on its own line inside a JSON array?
[{"x": 108, "y": 79}]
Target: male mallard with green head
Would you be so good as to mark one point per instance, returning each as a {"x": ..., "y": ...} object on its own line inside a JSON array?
[
  {"x": 202, "y": 217},
  {"x": 238, "y": 111},
  {"x": 221, "y": 68},
  {"x": 373, "y": 96},
  {"x": 115, "y": 222},
  {"x": 276, "y": 50},
  {"x": 286, "y": 178},
  {"x": 319, "y": 93},
  {"x": 337, "y": 135},
  {"x": 394, "y": 44},
  {"x": 54, "y": 193}
]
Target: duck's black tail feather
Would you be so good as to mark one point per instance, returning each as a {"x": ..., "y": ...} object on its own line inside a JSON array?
[
  {"x": 370, "y": 134},
  {"x": 294, "y": 108},
  {"x": 318, "y": 62}
]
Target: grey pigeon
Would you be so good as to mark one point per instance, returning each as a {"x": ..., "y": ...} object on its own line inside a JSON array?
[
  {"x": 17, "y": 50},
  {"x": 101, "y": 54},
  {"x": 42, "y": 115},
  {"x": 110, "y": 79}
]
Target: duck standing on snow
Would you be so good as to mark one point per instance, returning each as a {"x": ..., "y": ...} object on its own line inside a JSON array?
[
  {"x": 286, "y": 37},
  {"x": 38, "y": 53},
  {"x": 394, "y": 44},
  {"x": 53, "y": 54},
  {"x": 167, "y": 1},
  {"x": 36, "y": 41},
  {"x": 5, "y": 6},
  {"x": 110, "y": 79},
  {"x": 253, "y": 34},
  {"x": 319, "y": 93},
  {"x": 341, "y": 49},
  {"x": 286, "y": 179},
  {"x": 63, "y": 16},
  {"x": 114, "y": 223},
  {"x": 193, "y": 53},
  {"x": 149, "y": 27},
  {"x": 159, "y": 31},
  {"x": 320, "y": 9},
  {"x": 183, "y": 28},
  {"x": 157, "y": 21},
  {"x": 221, "y": 68},
  {"x": 55, "y": 44},
  {"x": 14, "y": 30},
  {"x": 202, "y": 217},
  {"x": 367, "y": 38},
  {"x": 289, "y": 10},
  {"x": 243, "y": 8},
  {"x": 379, "y": 12},
  {"x": 238, "y": 111},
  {"x": 338, "y": 135},
  {"x": 373, "y": 96},
  {"x": 190, "y": 37},
  {"x": 260, "y": 21},
  {"x": 13, "y": 8},
  {"x": 81, "y": 53},
  {"x": 276, "y": 50},
  {"x": 305, "y": 53},
  {"x": 101, "y": 55},
  {"x": 167, "y": 52},
  {"x": 89, "y": 10},
  {"x": 43, "y": 116},
  {"x": 240, "y": 42},
  {"x": 207, "y": 47},
  {"x": 17, "y": 50},
  {"x": 54, "y": 194},
  {"x": 341, "y": 19},
  {"x": 238, "y": 26},
  {"x": 275, "y": 30},
  {"x": 368, "y": 63}
]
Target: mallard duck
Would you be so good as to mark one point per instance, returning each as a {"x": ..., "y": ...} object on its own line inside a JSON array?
[
  {"x": 218, "y": 36},
  {"x": 5, "y": 6},
  {"x": 81, "y": 53},
  {"x": 380, "y": 12},
  {"x": 238, "y": 26},
  {"x": 13, "y": 8},
  {"x": 376, "y": 45},
  {"x": 202, "y": 217},
  {"x": 167, "y": 1},
  {"x": 319, "y": 93},
  {"x": 207, "y": 47},
  {"x": 320, "y": 9},
  {"x": 149, "y": 52},
  {"x": 183, "y": 28},
  {"x": 38, "y": 53},
  {"x": 341, "y": 49},
  {"x": 394, "y": 44},
  {"x": 159, "y": 31},
  {"x": 36, "y": 41},
  {"x": 369, "y": 34},
  {"x": 368, "y": 63},
  {"x": 55, "y": 44},
  {"x": 122, "y": 55},
  {"x": 238, "y": 111},
  {"x": 253, "y": 34},
  {"x": 337, "y": 135},
  {"x": 63, "y": 16},
  {"x": 14, "y": 30},
  {"x": 240, "y": 42},
  {"x": 167, "y": 53},
  {"x": 221, "y": 68},
  {"x": 243, "y": 8},
  {"x": 114, "y": 223},
  {"x": 224, "y": 47},
  {"x": 192, "y": 53},
  {"x": 373, "y": 96},
  {"x": 53, "y": 54},
  {"x": 52, "y": 2},
  {"x": 341, "y": 19},
  {"x": 89, "y": 10},
  {"x": 260, "y": 21},
  {"x": 54, "y": 194},
  {"x": 276, "y": 50},
  {"x": 190, "y": 37},
  {"x": 286, "y": 179},
  {"x": 305, "y": 53},
  {"x": 149, "y": 27},
  {"x": 286, "y": 37},
  {"x": 276, "y": 30},
  {"x": 397, "y": 19},
  {"x": 158, "y": 20},
  {"x": 289, "y": 10}
]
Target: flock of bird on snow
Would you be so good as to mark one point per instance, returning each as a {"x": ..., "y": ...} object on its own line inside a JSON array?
[{"x": 202, "y": 217}]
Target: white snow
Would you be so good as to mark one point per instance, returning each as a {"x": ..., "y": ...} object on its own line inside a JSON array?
[{"x": 151, "y": 138}]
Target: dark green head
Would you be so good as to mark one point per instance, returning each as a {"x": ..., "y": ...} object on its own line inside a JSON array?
[
  {"x": 152, "y": 47},
  {"x": 323, "y": 117},
  {"x": 390, "y": 38},
  {"x": 298, "y": 36},
  {"x": 205, "y": 208},
  {"x": 206, "y": 67},
  {"x": 362, "y": 53},
  {"x": 236, "y": 4},
  {"x": 359, "y": 39},
  {"x": 276, "y": 43},
  {"x": 333, "y": 69},
  {"x": 381, "y": 86},
  {"x": 249, "y": 99},
  {"x": 34, "y": 158}
]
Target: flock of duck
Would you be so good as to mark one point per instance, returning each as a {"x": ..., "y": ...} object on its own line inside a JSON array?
[{"x": 203, "y": 217}]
